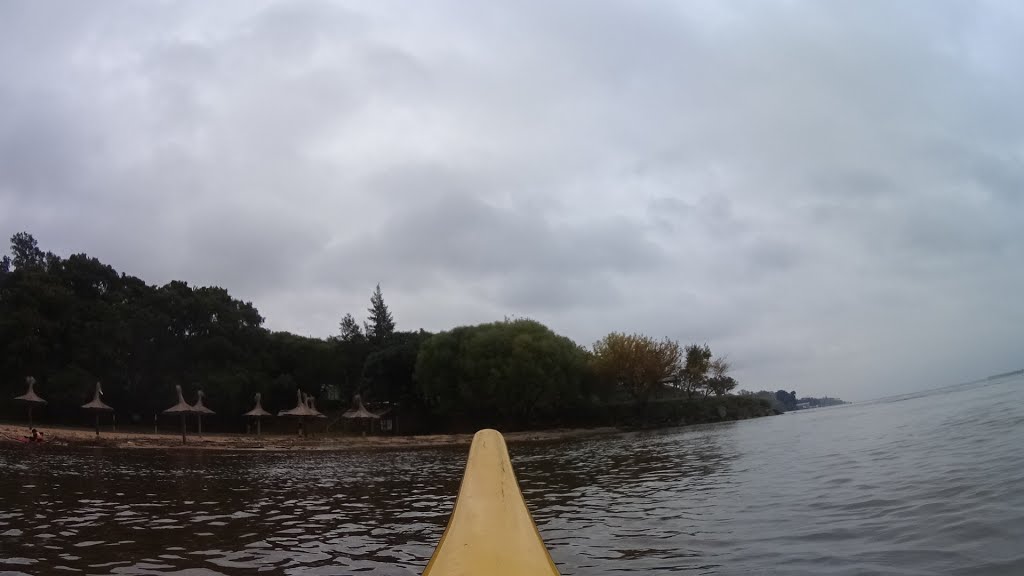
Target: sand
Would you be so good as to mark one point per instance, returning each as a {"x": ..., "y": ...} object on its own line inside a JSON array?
[{"x": 86, "y": 437}]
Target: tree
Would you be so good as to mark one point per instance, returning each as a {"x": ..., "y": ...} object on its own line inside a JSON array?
[
  {"x": 26, "y": 251},
  {"x": 381, "y": 324},
  {"x": 439, "y": 373},
  {"x": 5, "y": 272},
  {"x": 721, "y": 385},
  {"x": 389, "y": 373},
  {"x": 787, "y": 399},
  {"x": 637, "y": 364},
  {"x": 719, "y": 382},
  {"x": 350, "y": 329},
  {"x": 512, "y": 373},
  {"x": 695, "y": 372},
  {"x": 72, "y": 321}
]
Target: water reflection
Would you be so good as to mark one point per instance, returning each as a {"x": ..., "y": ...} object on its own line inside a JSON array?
[
  {"x": 640, "y": 500},
  {"x": 122, "y": 512},
  {"x": 129, "y": 513}
]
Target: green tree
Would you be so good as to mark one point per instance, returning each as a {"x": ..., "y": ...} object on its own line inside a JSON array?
[
  {"x": 72, "y": 321},
  {"x": 719, "y": 382},
  {"x": 350, "y": 329},
  {"x": 25, "y": 251},
  {"x": 439, "y": 373},
  {"x": 787, "y": 399},
  {"x": 510, "y": 373},
  {"x": 694, "y": 374},
  {"x": 389, "y": 373},
  {"x": 639, "y": 364},
  {"x": 380, "y": 325}
]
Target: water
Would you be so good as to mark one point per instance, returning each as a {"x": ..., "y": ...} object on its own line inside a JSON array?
[{"x": 927, "y": 484}]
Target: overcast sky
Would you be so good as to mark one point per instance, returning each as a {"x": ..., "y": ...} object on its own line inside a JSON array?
[{"x": 828, "y": 192}]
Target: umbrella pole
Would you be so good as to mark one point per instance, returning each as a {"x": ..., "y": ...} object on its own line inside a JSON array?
[
  {"x": 30, "y": 416},
  {"x": 183, "y": 428},
  {"x": 200, "y": 425},
  {"x": 258, "y": 431},
  {"x": 97, "y": 424}
]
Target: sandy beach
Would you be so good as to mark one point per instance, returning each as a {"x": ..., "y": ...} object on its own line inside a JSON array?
[{"x": 86, "y": 437}]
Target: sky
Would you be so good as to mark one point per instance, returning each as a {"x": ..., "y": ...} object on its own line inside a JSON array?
[{"x": 829, "y": 193}]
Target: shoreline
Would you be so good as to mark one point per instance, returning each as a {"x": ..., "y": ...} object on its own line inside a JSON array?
[{"x": 86, "y": 438}]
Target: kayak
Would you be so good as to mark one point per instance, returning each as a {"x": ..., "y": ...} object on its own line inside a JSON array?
[{"x": 490, "y": 530}]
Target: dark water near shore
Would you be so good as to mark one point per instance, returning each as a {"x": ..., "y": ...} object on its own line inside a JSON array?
[{"x": 928, "y": 484}]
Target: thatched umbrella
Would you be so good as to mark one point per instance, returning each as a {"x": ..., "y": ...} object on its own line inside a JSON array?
[
  {"x": 97, "y": 406},
  {"x": 360, "y": 412},
  {"x": 311, "y": 404},
  {"x": 30, "y": 397},
  {"x": 200, "y": 409},
  {"x": 257, "y": 413},
  {"x": 300, "y": 411},
  {"x": 183, "y": 408}
]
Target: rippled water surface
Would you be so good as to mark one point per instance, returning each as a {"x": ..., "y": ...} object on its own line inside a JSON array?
[{"x": 928, "y": 484}]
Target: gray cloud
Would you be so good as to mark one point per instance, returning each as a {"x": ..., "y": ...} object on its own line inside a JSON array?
[{"x": 828, "y": 192}]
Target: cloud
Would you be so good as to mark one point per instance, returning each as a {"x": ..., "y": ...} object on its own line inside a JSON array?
[
  {"x": 438, "y": 225},
  {"x": 827, "y": 192}
]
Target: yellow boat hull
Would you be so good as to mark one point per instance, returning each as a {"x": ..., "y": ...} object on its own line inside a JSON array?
[{"x": 490, "y": 531}]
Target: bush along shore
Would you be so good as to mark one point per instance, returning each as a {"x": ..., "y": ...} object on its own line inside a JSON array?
[{"x": 72, "y": 322}]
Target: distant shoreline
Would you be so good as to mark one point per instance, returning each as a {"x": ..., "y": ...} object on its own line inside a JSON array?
[{"x": 86, "y": 438}]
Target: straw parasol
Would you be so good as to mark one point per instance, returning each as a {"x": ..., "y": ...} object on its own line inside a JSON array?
[
  {"x": 97, "y": 406},
  {"x": 360, "y": 412},
  {"x": 257, "y": 413},
  {"x": 200, "y": 409},
  {"x": 183, "y": 408},
  {"x": 300, "y": 411},
  {"x": 30, "y": 397},
  {"x": 311, "y": 404}
]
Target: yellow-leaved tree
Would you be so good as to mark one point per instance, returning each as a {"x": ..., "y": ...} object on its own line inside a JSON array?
[{"x": 638, "y": 364}]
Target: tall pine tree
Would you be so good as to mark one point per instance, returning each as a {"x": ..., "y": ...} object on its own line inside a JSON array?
[{"x": 380, "y": 325}]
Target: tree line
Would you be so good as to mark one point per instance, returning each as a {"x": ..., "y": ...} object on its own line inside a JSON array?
[
  {"x": 70, "y": 322},
  {"x": 782, "y": 401}
]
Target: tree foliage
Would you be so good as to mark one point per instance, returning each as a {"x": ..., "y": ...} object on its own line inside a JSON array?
[
  {"x": 381, "y": 325},
  {"x": 389, "y": 372},
  {"x": 694, "y": 374},
  {"x": 787, "y": 399},
  {"x": 350, "y": 329},
  {"x": 72, "y": 321},
  {"x": 26, "y": 252},
  {"x": 510, "y": 372},
  {"x": 638, "y": 364},
  {"x": 719, "y": 382}
]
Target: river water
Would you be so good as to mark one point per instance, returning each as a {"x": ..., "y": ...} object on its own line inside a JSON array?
[{"x": 924, "y": 484}]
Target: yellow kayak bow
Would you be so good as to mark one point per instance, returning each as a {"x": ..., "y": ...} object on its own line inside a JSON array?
[{"x": 490, "y": 532}]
